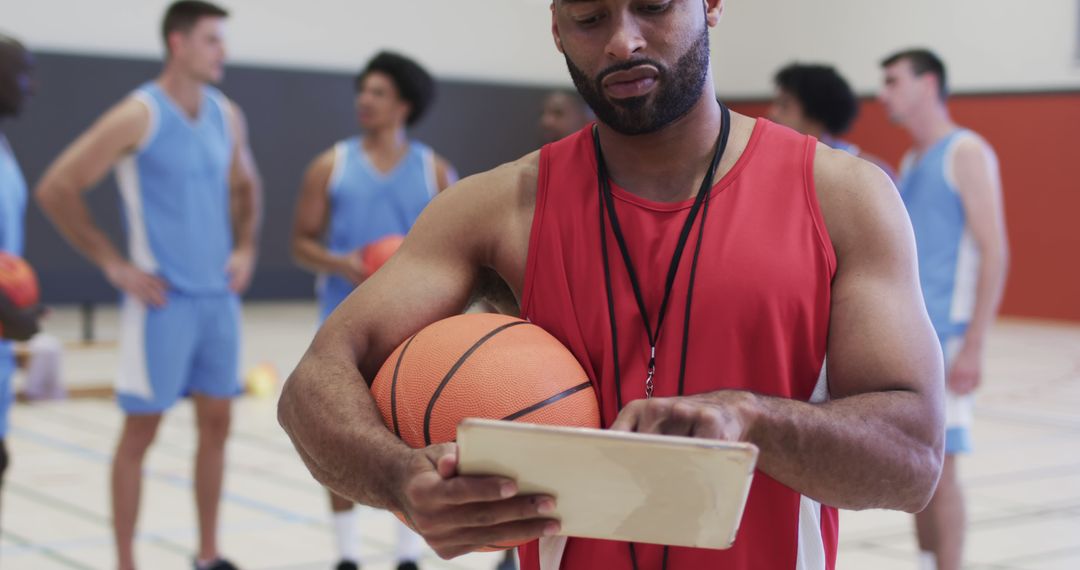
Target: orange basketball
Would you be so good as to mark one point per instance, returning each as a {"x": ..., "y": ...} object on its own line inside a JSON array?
[
  {"x": 18, "y": 280},
  {"x": 481, "y": 366},
  {"x": 376, "y": 253}
]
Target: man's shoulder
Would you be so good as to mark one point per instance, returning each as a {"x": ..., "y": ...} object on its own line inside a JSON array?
[
  {"x": 517, "y": 176},
  {"x": 852, "y": 193}
]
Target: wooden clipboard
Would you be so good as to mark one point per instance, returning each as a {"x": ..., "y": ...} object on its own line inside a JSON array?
[{"x": 631, "y": 487}]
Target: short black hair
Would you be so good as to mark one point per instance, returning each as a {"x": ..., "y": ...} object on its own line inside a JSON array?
[
  {"x": 183, "y": 15},
  {"x": 824, "y": 95},
  {"x": 923, "y": 61},
  {"x": 413, "y": 82}
]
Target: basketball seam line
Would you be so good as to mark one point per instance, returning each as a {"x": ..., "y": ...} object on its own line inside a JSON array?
[
  {"x": 393, "y": 386},
  {"x": 453, "y": 370},
  {"x": 549, "y": 401}
]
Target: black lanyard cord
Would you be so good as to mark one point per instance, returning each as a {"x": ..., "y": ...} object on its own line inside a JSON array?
[
  {"x": 607, "y": 206},
  {"x": 673, "y": 267}
]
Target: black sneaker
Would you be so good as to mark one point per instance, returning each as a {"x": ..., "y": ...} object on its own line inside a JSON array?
[
  {"x": 347, "y": 565},
  {"x": 407, "y": 565},
  {"x": 219, "y": 564}
]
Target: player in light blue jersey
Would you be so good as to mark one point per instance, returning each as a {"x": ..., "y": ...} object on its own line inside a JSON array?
[
  {"x": 816, "y": 100},
  {"x": 951, "y": 187},
  {"x": 16, "y": 65},
  {"x": 357, "y": 192},
  {"x": 191, "y": 201}
]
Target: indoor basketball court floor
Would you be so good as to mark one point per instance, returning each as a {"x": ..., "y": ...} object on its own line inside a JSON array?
[{"x": 1023, "y": 480}]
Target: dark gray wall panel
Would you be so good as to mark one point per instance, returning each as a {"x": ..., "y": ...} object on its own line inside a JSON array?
[{"x": 292, "y": 116}]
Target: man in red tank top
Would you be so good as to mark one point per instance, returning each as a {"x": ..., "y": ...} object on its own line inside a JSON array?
[{"x": 700, "y": 265}]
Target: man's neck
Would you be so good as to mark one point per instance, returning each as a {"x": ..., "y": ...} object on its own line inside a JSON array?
[
  {"x": 929, "y": 125},
  {"x": 667, "y": 165},
  {"x": 387, "y": 140},
  {"x": 181, "y": 88}
]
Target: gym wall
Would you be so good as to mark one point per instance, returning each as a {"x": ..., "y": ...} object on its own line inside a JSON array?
[
  {"x": 1015, "y": 67},
  {"x": 1037, "y": 139},
  {"x": 292, "y": 116},
  {"x": 990, "y": 44}
]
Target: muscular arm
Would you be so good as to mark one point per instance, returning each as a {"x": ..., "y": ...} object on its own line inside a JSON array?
[
  {"x": 331, "y": 380},
  {"x": 445, "y": 174},
  {"x": 979, "y": 185},
  {"x": 80, "y": 167},
  {"x": 878, "y": 442},
  {"x": 880, "y": 163},
  {"x": 245, "y": 191},
  {"x": 245, "y": 186},
  {"x": 309, "y": 223},
  {"x": 327, "y": 408}
]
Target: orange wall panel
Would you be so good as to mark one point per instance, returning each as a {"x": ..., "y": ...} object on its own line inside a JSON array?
[{"x": 1037, "y": 138}]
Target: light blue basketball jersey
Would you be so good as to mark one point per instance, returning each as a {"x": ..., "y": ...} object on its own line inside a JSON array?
[
  {"x": 840, "y": 144},
  {"x": 12, "y": 201},
  {"x": 948, "y": 257},
  {"x": 366, "y": 205},
  {"x": 12, "y": 212},
  {"x": 175, "y": 193}
]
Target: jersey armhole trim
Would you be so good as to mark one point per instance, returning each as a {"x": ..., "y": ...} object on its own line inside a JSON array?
[
  {"x": 542, "y": 178},
  {"x": 337, "y": 171},
  {"x": 155, "y": 119},
  {"x": 430, "y": 172},
  {"x": 812, "y": 202}
]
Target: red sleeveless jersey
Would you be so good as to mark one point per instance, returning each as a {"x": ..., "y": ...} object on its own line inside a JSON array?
[{"x": 759, "y": 321}]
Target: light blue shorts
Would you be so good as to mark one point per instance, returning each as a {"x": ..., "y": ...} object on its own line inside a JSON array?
[
  {"x": 189, "y": 346},
  {"x": 7, "y": 371}
]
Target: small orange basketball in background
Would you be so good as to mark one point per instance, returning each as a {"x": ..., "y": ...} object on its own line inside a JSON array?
[
  {"x": 18, "y": 280},
  {"x": 481, "y": 365},
  {"x": 376, "y": 253}
]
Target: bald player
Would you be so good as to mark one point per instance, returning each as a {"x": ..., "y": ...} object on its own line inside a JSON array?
[
  {"x": 191, "y": 198},
  {"x": 790, "y": 250}
]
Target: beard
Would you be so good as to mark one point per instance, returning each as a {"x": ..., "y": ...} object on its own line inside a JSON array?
[{"x": 678, "y": 91}]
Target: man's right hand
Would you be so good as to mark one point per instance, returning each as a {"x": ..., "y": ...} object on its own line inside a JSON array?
[
  {"x": 459, "y": 514},
  {"x": 146, "y": 287},
  {"x": 19, "y": 323},
  {"x": 351, "y": 267}
]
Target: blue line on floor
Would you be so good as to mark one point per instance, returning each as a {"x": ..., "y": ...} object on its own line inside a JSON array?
[{"x": 174, "y": 480}]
